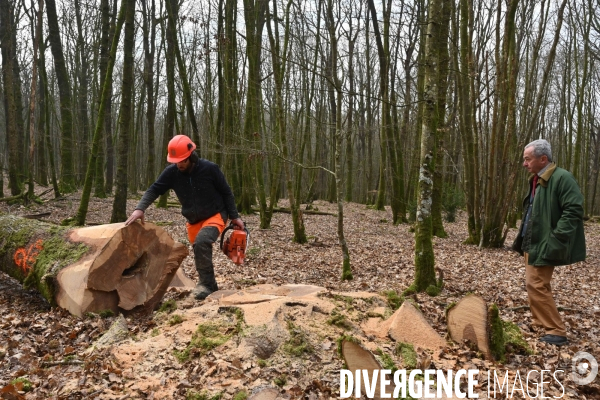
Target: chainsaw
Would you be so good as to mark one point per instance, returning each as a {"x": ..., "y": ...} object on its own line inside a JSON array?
[{"x": 235, "y": 245}]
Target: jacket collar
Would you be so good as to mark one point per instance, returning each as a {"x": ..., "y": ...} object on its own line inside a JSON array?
[{"x": 545, "y": 177}]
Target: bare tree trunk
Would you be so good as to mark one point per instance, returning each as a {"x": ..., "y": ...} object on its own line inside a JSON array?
[
  {"x": 187, "y": 93},
  {"x": 149, "y": 29},
  {"x": 10, "y": 101},
  {"x": 99, "y": 186},
  {"x": 45, "y": 118},
  {"x": 337, "y": 84},
  {"x": 435, "y": 76},
  {"x": 169, "y": 124},
  {"x": 82, "y": 91},
  {"x": 279, "y": 55},
  {"x": 33, "y": 94},
  {"x": 119, "y": 211},
  {"x": 254, "y": 13},
  {"x": 67, "y": 180},
  {"x": 79, "y": 219}
]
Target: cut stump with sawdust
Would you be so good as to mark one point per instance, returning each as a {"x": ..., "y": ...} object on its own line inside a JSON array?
[{"x": 97, "y": 268}]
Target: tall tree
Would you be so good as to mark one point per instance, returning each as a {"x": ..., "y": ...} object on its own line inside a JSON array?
[
  {"x": 83, "y": 67},
  {"x": 11, "y": 87},
  {"x": 79, "y": 218},
  {"x": 183, "y": 76},
  {"x": 435, "y": 76},
  {"x": 32, "y": 95},
  {"x": 383, "y": 49},
  {"x": 170, "y": 118},
  {"x": 336, "y": 83},
  {"x": 100, "y": 189},
  {"x": 119, "y": 211},
  {"x": 465, "y": 121},
  {"x": 67, "y": 180},
  {"x": 254, "y": 17},
  {"x": 149, "y": 34},
  {"x": 279, "y": 56}
]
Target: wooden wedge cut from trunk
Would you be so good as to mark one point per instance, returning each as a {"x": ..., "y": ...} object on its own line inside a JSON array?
[
  {"x": 91, "y": 269},
  {"x": 358, "y": 358},
  {"x": 472, "y": 320}
]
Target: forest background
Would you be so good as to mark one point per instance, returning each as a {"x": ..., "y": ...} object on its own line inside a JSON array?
[{"x": 421, "y": 105}]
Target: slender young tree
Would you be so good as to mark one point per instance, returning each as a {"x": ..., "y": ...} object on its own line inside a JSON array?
[{"x": 335, "y": 81}]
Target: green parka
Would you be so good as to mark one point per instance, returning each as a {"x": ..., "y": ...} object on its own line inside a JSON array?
[{"x": 557, "y": 236}]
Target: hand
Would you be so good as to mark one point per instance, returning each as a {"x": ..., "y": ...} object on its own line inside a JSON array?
[
  {"x": 238, "y": 223},
  {"x": 137, "y": 214}
]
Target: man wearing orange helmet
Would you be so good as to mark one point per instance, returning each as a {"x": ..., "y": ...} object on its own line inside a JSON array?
[{"x": 206, "y": 203}]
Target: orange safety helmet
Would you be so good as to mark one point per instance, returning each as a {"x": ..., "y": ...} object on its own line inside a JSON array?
[{"x": 180, "y": 148}]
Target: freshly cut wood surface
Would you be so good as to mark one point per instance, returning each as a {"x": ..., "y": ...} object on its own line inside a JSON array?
[
  {"x": 104, "y": 267},
  {"x": 133, "y": 264},
  {"x": 410, "y": 326},
  {"x": 358, "y": 358},
  {"x": 468, "y": 320}
]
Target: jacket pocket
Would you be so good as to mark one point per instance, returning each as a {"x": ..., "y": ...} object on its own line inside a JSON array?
[{"x": 557, "y": 250}]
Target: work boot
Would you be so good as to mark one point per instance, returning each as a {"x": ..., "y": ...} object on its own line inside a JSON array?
[
  {"x": 556, "y": 340},
  {"x": 201, "y": 292},
  {"x": 204, "y": 265}
]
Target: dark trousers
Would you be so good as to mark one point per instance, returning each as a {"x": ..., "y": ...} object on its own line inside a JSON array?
[{"x": 203, "y": 249}]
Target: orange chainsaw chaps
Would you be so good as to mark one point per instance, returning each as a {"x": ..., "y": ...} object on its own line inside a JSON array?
[{"x": 235, "y": 246}]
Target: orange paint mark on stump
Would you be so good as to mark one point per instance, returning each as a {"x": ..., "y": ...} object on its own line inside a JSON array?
[{"x": 25, "y": 258}]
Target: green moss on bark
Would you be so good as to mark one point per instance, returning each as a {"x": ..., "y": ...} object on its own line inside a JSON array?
[
  {"x": 34, "y": 252},
  {"x": 497, "y": 339},
  {"x": 514, "y": 339},
  {"x": 56, "y": 254}
]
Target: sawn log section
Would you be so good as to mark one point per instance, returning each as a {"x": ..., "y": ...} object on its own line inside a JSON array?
[{"x": 91, "y": 269}]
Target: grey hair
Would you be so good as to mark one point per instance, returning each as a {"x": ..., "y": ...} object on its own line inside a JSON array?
[{"x": 541, "y": 147}]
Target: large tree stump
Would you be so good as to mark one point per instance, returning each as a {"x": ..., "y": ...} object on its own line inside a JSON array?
[{"x": 91, "y": 269}]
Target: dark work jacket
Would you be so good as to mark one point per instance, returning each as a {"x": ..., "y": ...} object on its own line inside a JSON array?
[
  {"x": 202, "y": 192},
  {"x": 556, "y": 236}
]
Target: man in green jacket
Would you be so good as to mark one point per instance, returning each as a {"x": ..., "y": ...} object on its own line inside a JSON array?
[{"x": 551, "y": 234}]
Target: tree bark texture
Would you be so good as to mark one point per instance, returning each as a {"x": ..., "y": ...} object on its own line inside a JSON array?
[
  {"x": 435, "y": 44},
  {"x": 10, "y": 100},
  {"x": 119, "y": 210},
  {"x": 67, "y": 174},
  {"x": 106, "y": 89}
]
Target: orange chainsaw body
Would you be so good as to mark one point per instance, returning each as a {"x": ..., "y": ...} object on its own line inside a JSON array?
[{"x": 235, "y": 245}]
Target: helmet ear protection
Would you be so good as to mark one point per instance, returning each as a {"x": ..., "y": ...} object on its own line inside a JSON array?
[
  {"x": 194, "y": 157},
  {"x": 180, "y": 148}
]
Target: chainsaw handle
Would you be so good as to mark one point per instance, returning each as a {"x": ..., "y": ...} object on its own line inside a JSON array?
[{"x": 232, "y": 226}]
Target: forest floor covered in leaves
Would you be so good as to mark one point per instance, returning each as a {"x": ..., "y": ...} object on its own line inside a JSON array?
[{"x": 43, "y": 349}]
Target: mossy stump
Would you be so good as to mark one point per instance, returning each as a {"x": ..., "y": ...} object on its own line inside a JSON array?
[{"x": 116, "y": 267}]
